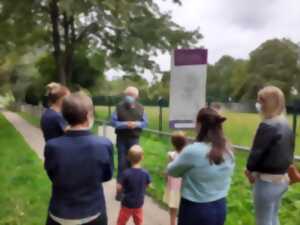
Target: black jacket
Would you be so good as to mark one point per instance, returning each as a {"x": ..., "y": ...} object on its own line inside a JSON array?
[
  {"x": 273, "y": 147},
  {"x": 77, "y": 164}
]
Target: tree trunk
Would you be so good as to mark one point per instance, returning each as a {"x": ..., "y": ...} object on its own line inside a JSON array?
[
  {"x": 69, "y": 38},
  {"x": 56, "y": 41}
]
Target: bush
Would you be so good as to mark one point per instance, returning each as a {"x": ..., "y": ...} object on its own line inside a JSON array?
[{"x": 33, "y": 95}]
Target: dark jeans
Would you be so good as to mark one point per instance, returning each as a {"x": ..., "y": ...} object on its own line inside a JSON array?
[
  {"x": 101, "y": 220},
  {"x": 211, "y": 213},
  {"x": 123, "y": 145}
]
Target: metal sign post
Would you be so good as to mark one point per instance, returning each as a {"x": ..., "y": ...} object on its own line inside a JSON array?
[{"x": 160, "y": 104}]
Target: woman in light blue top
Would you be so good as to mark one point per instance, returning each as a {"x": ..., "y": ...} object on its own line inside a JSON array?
[{"x": 206, "y": 168}]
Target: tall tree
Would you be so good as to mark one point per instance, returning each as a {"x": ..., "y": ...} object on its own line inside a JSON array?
[
  {"x": 126, "y": 32},
  {"x": 273, "y": 63}
]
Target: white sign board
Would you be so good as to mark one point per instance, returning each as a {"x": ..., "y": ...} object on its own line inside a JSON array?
[{"x": 187, "y": 87}]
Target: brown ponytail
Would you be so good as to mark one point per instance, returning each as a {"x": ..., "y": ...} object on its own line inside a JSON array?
[
  {"x": 55, "y": 92},
  {"x": 211, "y": 131}
]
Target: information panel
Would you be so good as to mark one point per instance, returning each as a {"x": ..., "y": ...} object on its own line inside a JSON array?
[{"x": 187, "y": 86}]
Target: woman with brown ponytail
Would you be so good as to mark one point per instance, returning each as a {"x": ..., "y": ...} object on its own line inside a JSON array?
[
  {"x": 206, "y": 168},
  {"x": 52, "y": 122}
]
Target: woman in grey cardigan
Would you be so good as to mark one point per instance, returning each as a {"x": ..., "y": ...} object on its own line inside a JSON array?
[{"x": 270, "y": 157}]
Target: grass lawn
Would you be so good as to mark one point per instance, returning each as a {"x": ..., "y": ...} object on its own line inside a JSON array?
[
  {"x": 24, "y": 186},
  {"x": 239, "y": 128},
  {"x": 240, "y": 204},
  {"x": 31, "y": 119}
]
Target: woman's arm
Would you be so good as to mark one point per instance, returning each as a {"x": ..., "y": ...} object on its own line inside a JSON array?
[
  {"x": 264, "y": 137},
  {"x": 181, "y": 164}
]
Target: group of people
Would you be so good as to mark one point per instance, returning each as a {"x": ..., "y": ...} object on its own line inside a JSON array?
[{"x": 198, "y": 175}]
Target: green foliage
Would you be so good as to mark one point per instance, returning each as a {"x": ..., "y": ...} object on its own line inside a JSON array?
[
  {"x": 160, "y": 88},
  {"x": 24, "y": 186},
  {"x": 273, "y": 63},
  {"x": 117, "y": 86},
  {"x": 20, "y": 80},
  {"x": 225, "y": 78},
  {"x": 46, "y": 67},
  {"x": 240, "y": 204},
  {"x": 34, "y": 94},
  {"x": 87, "y": 69},
  {"x": 126, "y": 33}
]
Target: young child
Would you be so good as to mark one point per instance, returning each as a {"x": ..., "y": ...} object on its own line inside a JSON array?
[
  {"x": 133, "y": 184},
  {"x": 172, "y": 192}
]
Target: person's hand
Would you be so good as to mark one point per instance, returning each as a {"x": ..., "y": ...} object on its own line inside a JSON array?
[
  {"x": 294, "y": 174},
  {"x": 119, "y": 188},
  {"x": 132, "y": 124},
  {"x": 67, "y": 128},
  {"x": 250, "y": 176}
]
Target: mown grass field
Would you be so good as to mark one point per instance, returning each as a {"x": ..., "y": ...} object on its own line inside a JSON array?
[
  {"x": 239, "y": 128},
  {"x": 240, "y": 203},
  {"x": 24, "y": 186}
]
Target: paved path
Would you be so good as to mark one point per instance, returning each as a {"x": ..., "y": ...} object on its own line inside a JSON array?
[{"x": 33, "y": 136}]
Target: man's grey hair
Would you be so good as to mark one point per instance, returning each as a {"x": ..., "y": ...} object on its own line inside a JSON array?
[{"x": 132, "y": 90}]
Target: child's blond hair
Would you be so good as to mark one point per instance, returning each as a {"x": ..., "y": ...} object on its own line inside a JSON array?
[{"x": 135, "y": 154}]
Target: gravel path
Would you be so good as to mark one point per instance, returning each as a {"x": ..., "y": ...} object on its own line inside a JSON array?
[{"x": 154, "y": 215}]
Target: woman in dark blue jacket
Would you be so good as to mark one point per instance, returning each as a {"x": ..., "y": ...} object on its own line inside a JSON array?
[
  {"x": 77, "y": 164},
  {"x": 52, "y": 122}
]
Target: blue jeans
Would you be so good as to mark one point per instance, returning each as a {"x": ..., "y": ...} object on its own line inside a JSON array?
[
  {"x": 123, "y": 145},
  {"x": 210, "y": 213},
  {"x": 267, "y": 199}
]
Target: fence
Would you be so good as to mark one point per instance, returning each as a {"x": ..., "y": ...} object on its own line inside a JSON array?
[
  {"x": 104, "y": 124},
  {"x": 38, "y": 110}
]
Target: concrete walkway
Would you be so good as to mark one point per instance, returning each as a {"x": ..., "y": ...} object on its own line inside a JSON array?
[{"x": 154, "y": 215}]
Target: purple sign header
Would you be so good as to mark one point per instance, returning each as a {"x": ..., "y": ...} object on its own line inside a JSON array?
[{"x": 187, "y": 57}]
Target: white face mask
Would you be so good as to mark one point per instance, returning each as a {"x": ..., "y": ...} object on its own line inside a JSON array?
[{"x": 258, "y": 107}]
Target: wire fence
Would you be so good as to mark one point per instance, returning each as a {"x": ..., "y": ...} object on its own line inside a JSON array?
[{"x": 105, "y": 123}]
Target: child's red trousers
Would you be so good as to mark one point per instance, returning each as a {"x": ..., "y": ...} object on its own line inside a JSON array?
[{"x": 126, "y": 213}]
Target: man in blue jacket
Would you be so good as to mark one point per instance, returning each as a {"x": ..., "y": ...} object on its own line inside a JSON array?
[
  {"x": 77, "y": 164},
  {"x": 129, "y": 120}
]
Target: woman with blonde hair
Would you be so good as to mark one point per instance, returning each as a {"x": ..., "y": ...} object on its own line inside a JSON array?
[
  {"x": 271, "y": 156},
  {"x": 52, "y": 122}
]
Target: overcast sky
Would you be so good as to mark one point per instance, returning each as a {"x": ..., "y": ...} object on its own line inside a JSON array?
[{"x": 235, "y": 27}]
